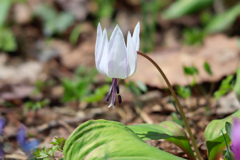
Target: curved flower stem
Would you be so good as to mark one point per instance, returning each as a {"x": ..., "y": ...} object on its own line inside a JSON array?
[{"x": 177, "y": 102}]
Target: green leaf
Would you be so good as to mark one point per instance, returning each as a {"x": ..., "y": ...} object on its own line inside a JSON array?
[
  {"x": 193, "y": 36},
  {"x": 237, "y": 84},
  {"x": 37, "y": 152},
  {"x": 4, "y": 8},
  {"x": 226, "y": 86},
  {"x": 182, "y": 7},
  {"x": 226, "y": 155},
  {"x": 75, "y": 34},
  {"x": 54, "y": 22},
  {"x": 43, "y": 153},
  {"x": 142, "y": 86},
  {"x": 228, "y": 127},
  {"x": 184, "y": 92},
  {"x": 223, "y": 21},
  {"x": 228, "y": 152},
  {"x": 190, "y": 70},
  {"x": 102, "y": 139},
  {"x": 52, "y": 150},
  {"x": 207, "y": 68},
  {"x": 214, "y": 139},
  {"x": 176, "y": 119},
  {"x": 133, "y": 88},
  {"x": 167, "y": 130},
  {"x": 97, "y": 95},
  {"x": 7, "y": 40}
]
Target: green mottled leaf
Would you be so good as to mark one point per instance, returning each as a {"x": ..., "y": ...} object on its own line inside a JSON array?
[
  {"x": 223, "y": 21},
  {"x": 214, "y": 139},
  {"x": 167, "y": 130},
  {"x": 182, "y": 7},
  {"x": 102, "y": 139}
]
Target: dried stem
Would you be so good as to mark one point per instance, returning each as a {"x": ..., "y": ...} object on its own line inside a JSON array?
[{"x": 177, "y": 102}]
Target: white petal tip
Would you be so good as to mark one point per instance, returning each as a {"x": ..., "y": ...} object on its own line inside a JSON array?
[{"x": 110, "y": 106}]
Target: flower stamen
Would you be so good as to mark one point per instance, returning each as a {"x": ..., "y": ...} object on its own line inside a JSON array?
[
  {"x": 113, "y": 92},
  {"x": 117, "y": 89},
  {"x": 119, "y": 99}
]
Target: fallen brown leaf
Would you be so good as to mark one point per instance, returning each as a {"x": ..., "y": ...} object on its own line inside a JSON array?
[{"x": 221, "y": 52}]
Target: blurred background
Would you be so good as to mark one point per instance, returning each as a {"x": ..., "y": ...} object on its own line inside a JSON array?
[{"x": 48, "y": 80}]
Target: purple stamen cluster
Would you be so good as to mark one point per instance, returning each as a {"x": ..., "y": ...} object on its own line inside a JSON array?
[{"x": 114, "y": 90}]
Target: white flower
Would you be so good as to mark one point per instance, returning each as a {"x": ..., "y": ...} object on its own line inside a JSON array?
[{"x": 114, "y": 59}]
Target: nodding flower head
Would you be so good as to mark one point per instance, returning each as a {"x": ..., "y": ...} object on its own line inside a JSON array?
[
  {"x": 114, "y": 59},
  {"x": 235, "y": 146}
]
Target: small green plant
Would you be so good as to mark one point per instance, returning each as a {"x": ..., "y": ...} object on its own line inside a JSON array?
[
  {"x": 223, "y": 21},
  {"x": 7, "y": 38},
  {"x": 136, "y": 88},
  {"x": 175, "y": 119},
  {"x": 48, "y": 154},
  {"x": 105, "y": 9},
  {"x": 98, "y": 94},
  {"x": 149, "y": 24},
  {"x": 184, "y": 92},
  {"x": 207, "y": 68},
  {"x": 53, "y": 22},
  {"x": 237, "y": 83},
  {"x": 41, "y": 86},
  {"x": 184, "y": 7},
  {"x": 193, "y": 36},
  {"x": 80, "y": 87},
  {"x": 191, "y": 71},
  {"x": 225, "y": 87},
  {"x": 75, "y": 34},
  {"x": 33, "y": 106}
]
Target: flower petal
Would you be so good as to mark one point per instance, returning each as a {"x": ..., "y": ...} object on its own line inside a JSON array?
[
  {"x": 27, "y": 146},
  {"x": 114, "y": 33},
  {"x": 98, "y": 45},
  {"x": 131, "y": 55},
  {"x": 235, "y": 139},
  {"x": 103, "y": 62},
  {"x": 2, "y": 124},
  {"x": 117, "y": 62},
  {"x": 136, "y": 38}
]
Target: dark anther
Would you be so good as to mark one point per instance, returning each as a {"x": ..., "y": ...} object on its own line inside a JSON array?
[
  {"x": 119, "y": 99},
  {"x": 117, "y": 89},
  {"x": 108, "y": 97}
]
